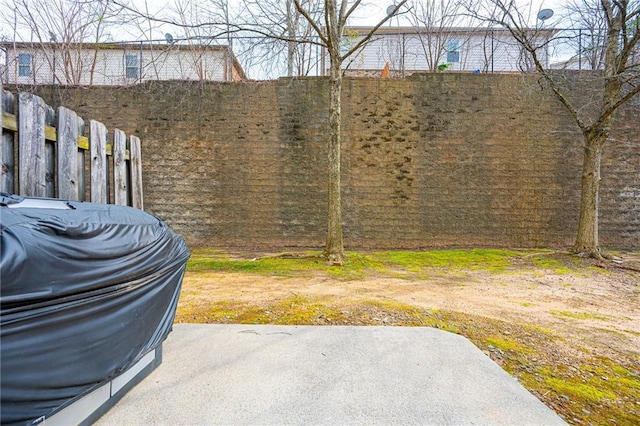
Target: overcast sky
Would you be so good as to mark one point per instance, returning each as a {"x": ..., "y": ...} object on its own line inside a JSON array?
[{"x": 371, "y": 12}]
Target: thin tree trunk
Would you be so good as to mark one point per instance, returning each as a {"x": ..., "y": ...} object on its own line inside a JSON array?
[
  {"x": 587, "y": 241},
  {"x": 291, "y": 33},
  {"x": 334, "y": 250}
]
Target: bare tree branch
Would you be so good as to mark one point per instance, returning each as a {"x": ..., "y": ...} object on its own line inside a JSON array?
[
  {"x": 368, "y": 36},
  {"x": 615, "y": 42}
]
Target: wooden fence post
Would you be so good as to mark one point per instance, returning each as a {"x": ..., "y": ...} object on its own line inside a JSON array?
[
  {"x": 82, "y": 173},
  {"x": 6, "y": 150},
  {"x": 135, "y": 153},
  {"x": 68, "y": 154},
  {"x": 98, "y": 152},
  {"x": 49, "y": 152},
  {"x": 31, "y": 139},
  {"x": 120, "y": 167}
]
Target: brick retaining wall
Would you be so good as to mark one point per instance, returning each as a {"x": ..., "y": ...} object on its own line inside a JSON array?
[{"x": 430, "y": 161}]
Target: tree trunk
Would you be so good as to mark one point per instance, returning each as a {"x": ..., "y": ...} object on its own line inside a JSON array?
[
  {"x": 291, "y": 33},
  {"x": 334, "y": 250},
  {"x": 587, "y": 241}
]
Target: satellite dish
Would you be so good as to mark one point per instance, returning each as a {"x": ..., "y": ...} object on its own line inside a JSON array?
[
  {"x": 169, "y": 38},
  {"x": 545, "y": 14},
  {"x": 390, "y": 9}
]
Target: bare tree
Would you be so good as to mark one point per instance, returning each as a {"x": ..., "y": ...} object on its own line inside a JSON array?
[
  {"x": 60, "y": 27},
  {"x": 197, "y": 38},
  {"x": 268, "y": 36},
  {"x": 588, "y": 23},
  {"x": 619, "y": 84},
  {"x": 147, "y": 30},
  {"x": 330, "y": 31},
  {"x": 194, "y": 26},
  {"x": 285, "y": 37},
  {"x": 435, "y": 22}
]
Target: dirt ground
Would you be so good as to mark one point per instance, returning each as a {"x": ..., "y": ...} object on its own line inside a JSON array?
[
  {"x": 601, "y": 306},
  {"x": 589, "y": 312}
]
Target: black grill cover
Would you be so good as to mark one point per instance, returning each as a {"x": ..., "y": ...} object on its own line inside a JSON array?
[{"x": 86, "y": 291}]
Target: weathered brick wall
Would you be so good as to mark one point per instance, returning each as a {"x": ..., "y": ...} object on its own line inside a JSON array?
[{"x": 434, "y": 160}]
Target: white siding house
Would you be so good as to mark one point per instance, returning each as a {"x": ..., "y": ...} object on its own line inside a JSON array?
[
  {"x": 114, "y": 64},
  {"x": 409, "y": 49}
]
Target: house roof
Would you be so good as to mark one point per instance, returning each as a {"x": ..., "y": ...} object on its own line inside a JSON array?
[
  {"x": 417, "y": 30},
  {"x": 112, "y": 45},
  {"x": 126, "y": 46}
]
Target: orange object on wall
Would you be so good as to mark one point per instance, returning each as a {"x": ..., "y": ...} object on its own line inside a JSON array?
[{"x": 385, "y": 71}]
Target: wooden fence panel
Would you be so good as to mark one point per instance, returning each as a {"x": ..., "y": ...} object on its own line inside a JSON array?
[
  {"x": 51, "y": 160},
  {"x": 7, "y": 181},
  {"x": 98, "y": 153},
  {"x": 49, "y": 153},
  {"x": 68, "y": 154},
  {"x": 120, "y": 167},
  {"x": 82, "y": 157},
  {"x": 136, "y": 172},
  {"x": 31, "y": 140}
]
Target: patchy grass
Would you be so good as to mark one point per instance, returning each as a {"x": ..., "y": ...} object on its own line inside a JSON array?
[
  {"x": 546, "y": 262},
  {"x": 598, "y": 390},
  {"x": 396, "y": 264},
  {"x": 508, "y": 345},
  {"x": 579, "y": 315},
  {"x": 583, "y": 389},
  {"x": 284, "y": 265},
  {"x": 299, "y": 310},
  {"x": 492, "y": 260}
]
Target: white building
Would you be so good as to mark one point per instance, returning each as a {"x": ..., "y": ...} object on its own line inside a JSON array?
[
  {"x": 115, "y": 64},
  {"x": 410, "y": 49}
]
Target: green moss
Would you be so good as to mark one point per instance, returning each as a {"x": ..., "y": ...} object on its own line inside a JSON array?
[
  {"x": 609, "y": 390},
  {"x": 492, "y": 260},
  {"x": 397, "y": 264},
  {"x": 542, "y": 330},
  {"x": 222, "y": 311},
  {"x": 579, "y": 315},
  {"x": 610, "y": 331},
  {"x": 612, "y": 376},
  {"x": 509, "y": 345},
  {"x": 279, "y": 266},
  {"x": 298, "y": 310},
  {"x": 583, "y": 391},
  {"x": 252, "y": 315},
  {"x": 546, "y": 262}
]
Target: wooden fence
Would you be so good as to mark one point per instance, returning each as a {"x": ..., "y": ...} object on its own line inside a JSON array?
[{"x": 44, "y": 153}]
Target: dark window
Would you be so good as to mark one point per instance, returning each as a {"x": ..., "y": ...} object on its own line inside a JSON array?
[
  {"x": 24, "y": 64},
  {"x": 453, "y": 51},
  {"x": 132, "y": 66}
]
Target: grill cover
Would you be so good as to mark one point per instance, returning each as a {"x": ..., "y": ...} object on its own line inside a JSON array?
[{"x": 86, "y": 291}]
